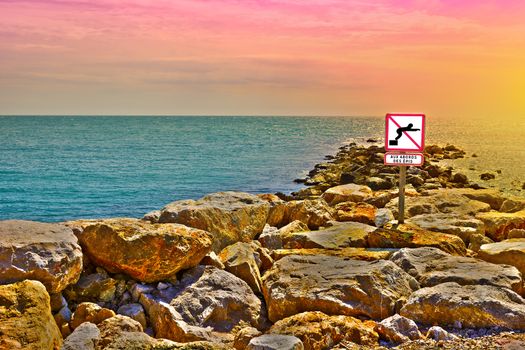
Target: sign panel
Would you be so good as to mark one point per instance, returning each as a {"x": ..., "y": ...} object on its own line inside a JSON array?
[
  {"x": 405, "y": 132},
  {"x": 415, "y": 159}
]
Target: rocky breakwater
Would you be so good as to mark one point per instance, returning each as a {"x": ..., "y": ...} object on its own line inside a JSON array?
[{"x": 325, "y": 268}]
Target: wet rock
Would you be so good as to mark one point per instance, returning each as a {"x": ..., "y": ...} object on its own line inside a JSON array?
[
  {"x": 90, "y": 312},
  {"x": 275, "y": 342},
  {"x": 461, "y": 226},
  {"x": 346, "y": 193},
  {"x": 206, "y": 304},
  {"x": 411, "y": 236},
  {"x": 431, "y": 266},
  {"x": 398, "y": 329},
  {"x": 92, "y": 287},
  {"x": 239, "y": 259},
  {"x": 498, "y": 225},
  {"x": 475, "y": 306},
  {"x": 25, "y": 317},
  {"x": 48, "y": 253},
  {"x": 230, "y": 216},
  {"x": 146, "y": 252},
  {"x": 357, "y": 212},
  {"x": 317, "y": 330},
  {"x": 340, "y": 235},
  {"x": 364, "y": 254},
  {"x": 134, "y": 311},
  {"x": 243, "y": 337},
  {"x": 334, "y": 285},
  {"x": 510, "y": 251}
]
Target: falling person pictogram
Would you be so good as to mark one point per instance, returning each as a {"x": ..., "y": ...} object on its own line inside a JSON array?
[{"x": 400, "y": 133}]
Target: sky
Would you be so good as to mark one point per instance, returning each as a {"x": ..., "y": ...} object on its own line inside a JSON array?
[{"x": 446, "y": 58}]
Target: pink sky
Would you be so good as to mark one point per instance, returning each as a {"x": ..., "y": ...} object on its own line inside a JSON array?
[{"x": 321, "y": 57}]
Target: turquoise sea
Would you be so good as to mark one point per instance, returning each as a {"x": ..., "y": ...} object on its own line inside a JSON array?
[{"x": 63, "y": 167}]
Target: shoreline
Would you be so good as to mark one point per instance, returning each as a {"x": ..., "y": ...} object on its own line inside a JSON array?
[{"x": 273, "y": 255}]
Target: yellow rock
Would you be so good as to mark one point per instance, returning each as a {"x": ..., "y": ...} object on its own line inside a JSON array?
[
  {"x": 510, "y": 252},
  {"x": 346, "y": 193},
  {"x": 352, "y": 253},
  {"x": 25, "y": 318},
  {"x": 498, "y": 225},
  {"x": 319, "y": 331}
]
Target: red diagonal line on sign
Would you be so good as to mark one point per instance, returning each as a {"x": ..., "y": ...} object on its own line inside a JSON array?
[{"x": 404, "y": 132}]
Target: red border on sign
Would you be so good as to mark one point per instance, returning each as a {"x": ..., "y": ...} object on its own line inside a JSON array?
[
  {"x": 421, "y": 147},
  {"x": 404, "y": 164}
]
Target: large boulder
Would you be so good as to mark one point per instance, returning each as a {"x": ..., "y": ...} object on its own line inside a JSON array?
[
  {"x": 461, "y": 226},
  {"x": 510, "y": 251},
  {"x": 206, "y": 304},
  {"x": 411, "y": 236},
  {"x": 492, "y": 197},
  {"x": 335, "y": 286},
  {"x": 272, "y": 237},
  {"x": 312, "y": 212},
  {"x": 240, "y": 260},
  {"x": 48, "y": 253},
  {"x": 320, "y": 331},
  {"x": 348, "y": 253},
  {"x": 439, "y": 201},
  {"x": 339, "y": 235},
  {"x": 398, "y": 329},
  {"x": 474, "y": 306},
  {"x": 358, "y": 212},
  {"x": 275, "y": 342},
  {"x": 25, "y": 317},
  {"x": 147, "y": 252},
  {"x": 431, "y": 266},
  {"x": 230, "y": 216},
  {"x": 346, "y": 193},
  {"x": 498, "y": 225}
]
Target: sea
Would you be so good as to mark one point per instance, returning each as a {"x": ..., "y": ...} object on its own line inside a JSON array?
[{"x": 56, "y": 168}]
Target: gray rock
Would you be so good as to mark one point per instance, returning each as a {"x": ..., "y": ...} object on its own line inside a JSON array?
[
  {"x": 229, "y": 216},
  {"x": 474, "y": 306},
  {"x": 84, "y": 337},
  {"x": 439, "y": 334},
  {"x": 275, "y": 342},
  {"x": 152, "y": 216},
  {"x": 48, "y": 253},
  {"x": 334, "y": 285},
  {"x": 398, "y": 329},
  {"x": 431, "y": 266},
  {"x": 134, "y": 311},
  {"x": 383, "y": 217}
]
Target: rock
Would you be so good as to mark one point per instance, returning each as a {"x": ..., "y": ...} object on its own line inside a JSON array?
[
  {"x": 352, "y": 253},
  {"x": 510, "y": 251},
  {"x": 383, "y": 217},
  {"x": 243, "y": 337},
  {"x": 334, "y": 285},
  {"x": 312, "y": 212},
  {"x": 487, "y": 176},
  {"x": 461, "y": 226},
  {"x": 431, "y": 266},
  {"x": 112, "y": 328},
  {"x": 346, "y": 193},
  {"x": 91, "y": 287},
  {"x": 320, "y": 331},
  {"x": 63, "y": 316},
  {"x": 273, "y": 238},
  {"x": 277, "y": 212},
  {"x": 475, "y": 306},
  {"x": 498, "y": 225},
  {"x": 205, "y": 302},
  {"x": 25, "y": 317},
  {"x": 410, "y": 236},
  {"x": 477, "y": 240},
  {"x": 57, "y": 301},
  {"x": 398, "y": 329},
  {"x": 433, "y": 149},
  {"x": 340, "y": 235},
  {"x": 378, "y": 183},
  {"x": 439, "y": 334},
  {"x": 460, "y": 178},
  {"x": 492, "y": 197},
  {"x": 516, "y": 233},
  {"x": 512, "y": 205},
  {"x": 213, "y": 260},
  {"x": 48, "y": 253},
  {"x": 380, "y": 199},
  {"x": 239, "y": 259},
  {"x": 358, "y": 212},
  {"x": 146, "y": 252},
  {"x": 439, "y": 201},
  {"x": 275, "y": 342},
  {"x": 152, "y": 216},
  {"x": 134, "y": 311},
  {"x": 89, "y": 312},
  {"x": 230, "y": 216},
  {"x": 85, "y": 337}
]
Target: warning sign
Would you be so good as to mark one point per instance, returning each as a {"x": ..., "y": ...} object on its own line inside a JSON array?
[
  {"x": 415, "y": 159},
  {"x": 405, "y": 132}
]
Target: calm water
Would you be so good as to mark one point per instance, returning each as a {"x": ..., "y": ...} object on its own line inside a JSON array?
[{"x": 58, "y": 168}]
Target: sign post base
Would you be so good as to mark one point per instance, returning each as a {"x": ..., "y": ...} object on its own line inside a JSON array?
[{"x": 402, "y": 183}]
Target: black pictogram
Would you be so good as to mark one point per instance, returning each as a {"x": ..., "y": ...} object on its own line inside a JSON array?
[{"x": 400, "y": 132}]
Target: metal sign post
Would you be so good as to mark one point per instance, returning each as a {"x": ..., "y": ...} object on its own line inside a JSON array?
[{"x": 405, "y": 139}]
